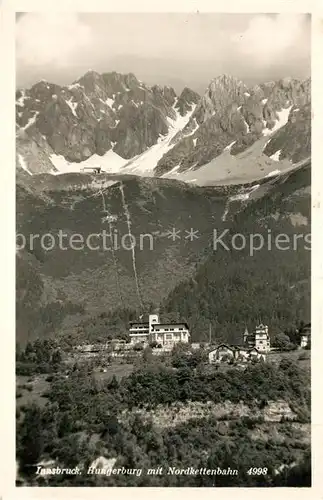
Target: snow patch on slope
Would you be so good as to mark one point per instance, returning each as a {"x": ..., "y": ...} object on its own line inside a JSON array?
[
  {"x": 274, "y": 172},
  {"x": 244, "y": 195},
  {"x": 282, "y": 120},
  {"x": 72, "y": 105},
  {"x": 244, "y": 121},
  {"x": 229, "y": 146},
  {"x": 109, "y": 102},
  {"x": 173, "y": 171},
  {"x": 75, "y": 86},
  {"x": 276, "y": 155},
  {"x": 21, "y": 99},
  {"x": 110, "y": 162},
  {"x": 23, "y": 164},
  {"x": 31, "y": 120},
  {"x": 196, "y": 126},
  {"x": 145, "y": 163},
  {"x": 247, "y": 126}
]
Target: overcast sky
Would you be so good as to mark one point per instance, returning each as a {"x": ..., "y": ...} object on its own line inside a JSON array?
[{"x": 176, "y": 49}]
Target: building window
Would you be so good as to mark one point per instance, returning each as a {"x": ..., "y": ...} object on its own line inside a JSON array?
[
  {"x": 169, "y": 336},
  {"x": 180, "y": 328}
]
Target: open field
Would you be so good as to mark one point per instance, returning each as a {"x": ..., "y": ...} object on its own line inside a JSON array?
[{"x": 119, "y": 370}]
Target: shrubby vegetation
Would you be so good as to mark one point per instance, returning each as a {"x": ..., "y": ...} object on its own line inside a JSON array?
[{"x": 81, "y": 407}]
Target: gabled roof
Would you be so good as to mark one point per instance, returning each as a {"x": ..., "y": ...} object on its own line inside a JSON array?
[{"x": 231, "y": 348}]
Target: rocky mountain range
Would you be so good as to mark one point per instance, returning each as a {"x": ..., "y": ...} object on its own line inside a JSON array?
[
  {"x": 234, "y": 158},
  {"x": 117, "y": 122}
]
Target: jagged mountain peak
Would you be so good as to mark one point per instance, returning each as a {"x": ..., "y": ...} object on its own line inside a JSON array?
[
  {"x": 230, "y": 118},
  {"x": 95, "y": 114},
  {"x": 128, "y": 79},
  {"x": 223, "y": 90},
  {"x": 187, "y": 99},
  {"x": 119, "y": 116},
  {"x": 189, "y": 94},
  {"x": 226, "y": 84},
  {"x": 91, "y": 73},
  {"x": 90, "y": 80}
]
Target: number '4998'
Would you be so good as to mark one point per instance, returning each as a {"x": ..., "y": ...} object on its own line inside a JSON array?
[{"x": 257, "y": 471}]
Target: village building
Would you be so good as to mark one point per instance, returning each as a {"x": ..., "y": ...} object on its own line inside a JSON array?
[
  {"x": 154, "y": 331},
  {"x": 259, "y": 338},
  {"x": 242, "y": 353},
  {"x": 93, "y": 170},
  {"x": 305, "y": 336},
  {"x": 304, "y": 340},
  {"x": 222, "y": 353},
  {"x": 225, "y": 353}
]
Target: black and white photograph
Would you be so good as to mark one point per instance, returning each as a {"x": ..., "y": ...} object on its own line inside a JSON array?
[{"x": 163, "y": 249}]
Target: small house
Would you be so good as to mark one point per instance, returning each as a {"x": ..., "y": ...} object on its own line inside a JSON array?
[
  {"x": 255, "y": 354},
  {"x": 241, "y": 353},
  {"x": 222, "y": 353},
  {"x": 305, "y": 336}
]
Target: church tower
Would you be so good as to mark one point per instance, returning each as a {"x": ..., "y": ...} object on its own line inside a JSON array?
[{"x": 245, "y": 335}]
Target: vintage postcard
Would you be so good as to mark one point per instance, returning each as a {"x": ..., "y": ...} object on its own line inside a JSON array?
[{"x": 163, "y": 249}]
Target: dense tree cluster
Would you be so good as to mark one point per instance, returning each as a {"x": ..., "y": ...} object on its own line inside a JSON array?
[{"x": 41, "y": 356}]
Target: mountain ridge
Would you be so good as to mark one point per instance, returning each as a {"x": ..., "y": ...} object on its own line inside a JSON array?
[{"x": 112, "y": 119}]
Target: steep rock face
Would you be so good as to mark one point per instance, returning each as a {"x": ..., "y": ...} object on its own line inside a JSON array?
[
  {"x": 294, "y": 140},
  {"x": 222, "y": 92},
  {"x": 95, "y": 114},
  {"x": 230, "y": 115},
  {"x": 139, "y": 129},
  {"x": 185, "y": 101},
  {"x": 180, "y": 413},
  {"x": 33, "y": 154},
  {"x": 170, "y": 95},
  {"x": 196, "y": 148}
]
